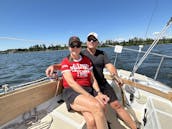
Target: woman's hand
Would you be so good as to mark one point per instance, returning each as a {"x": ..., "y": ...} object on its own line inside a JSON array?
[
  {"x": 103, "y": 99},
  {"x": 50, "y": 71}
]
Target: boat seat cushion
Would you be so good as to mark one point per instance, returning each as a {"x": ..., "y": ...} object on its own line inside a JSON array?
[{"x": 75, "y": 119}]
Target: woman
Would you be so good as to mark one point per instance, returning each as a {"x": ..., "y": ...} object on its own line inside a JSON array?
[{"x": 79, "y": 83}]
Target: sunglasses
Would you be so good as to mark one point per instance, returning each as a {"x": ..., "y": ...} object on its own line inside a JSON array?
[
  {"x": 73, "y": 45},
  {"x": 92, "y": 39}
]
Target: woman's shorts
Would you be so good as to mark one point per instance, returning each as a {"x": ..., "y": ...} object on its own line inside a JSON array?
[{"x": 69, "y": 95}]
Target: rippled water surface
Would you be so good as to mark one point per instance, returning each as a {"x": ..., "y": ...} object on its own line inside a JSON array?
[{"x": 19, "y": 68}]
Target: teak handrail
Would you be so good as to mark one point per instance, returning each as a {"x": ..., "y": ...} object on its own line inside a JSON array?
[{"x": 145, "y": 88}]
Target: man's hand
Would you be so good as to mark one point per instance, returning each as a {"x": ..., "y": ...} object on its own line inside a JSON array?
[{"x": 118, "y": 80}]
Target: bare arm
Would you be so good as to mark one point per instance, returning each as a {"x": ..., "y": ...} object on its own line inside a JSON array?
[
  {"x": 50, "y": 70},
  {"x": 100, "y": 97},
  {"x": 94, "y": 83},
  {"x": 111, "y": 68}
]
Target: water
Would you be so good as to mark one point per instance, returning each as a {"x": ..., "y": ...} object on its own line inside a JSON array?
[{"x": 20, "y": 68}]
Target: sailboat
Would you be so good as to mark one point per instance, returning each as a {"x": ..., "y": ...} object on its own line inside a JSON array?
[{"x": 39, "y": 104}]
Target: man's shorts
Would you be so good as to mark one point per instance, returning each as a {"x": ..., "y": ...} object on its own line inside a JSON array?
[{"x": 106, "y": 89}]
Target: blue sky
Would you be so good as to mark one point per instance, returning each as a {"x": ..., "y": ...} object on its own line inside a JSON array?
[{"x": 24, "y": 23}]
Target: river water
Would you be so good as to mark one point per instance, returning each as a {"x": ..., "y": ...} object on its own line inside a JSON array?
[{"x": 18, "y": 68}]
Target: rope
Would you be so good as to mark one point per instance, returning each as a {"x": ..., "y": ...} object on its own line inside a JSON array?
[
  {"x": 42, "y": 125},
  {"x": 154, "y": 9},
  {"x": 122, "y": 93},
  {"x": 141, "y": 99},
  {"x": 31, "y": 120},
  {"x": 130, "y": 110}
]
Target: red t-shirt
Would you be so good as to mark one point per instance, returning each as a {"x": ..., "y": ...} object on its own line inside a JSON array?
[{"x": 80, "y": 70}]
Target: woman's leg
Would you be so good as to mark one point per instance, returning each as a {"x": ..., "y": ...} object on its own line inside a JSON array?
[
  {"x": 90, "y": 121},
  {"x": 102, "y": 105},
  {"x": 90, "y": 104}
]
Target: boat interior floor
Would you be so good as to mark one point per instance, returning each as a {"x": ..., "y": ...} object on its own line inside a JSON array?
[{"x": 60, "y": 118}]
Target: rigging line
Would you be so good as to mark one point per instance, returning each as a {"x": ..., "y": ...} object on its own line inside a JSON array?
[
  {"x": 148, "y": 26},
  {"x": 151, "y": 47},
  {"x": 155, "y": 7},
  {"x": 148, "y": 51},
  {"x": 154, "y": 43}
]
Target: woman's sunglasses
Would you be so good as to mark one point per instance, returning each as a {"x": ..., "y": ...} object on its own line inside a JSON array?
[{"x": 77, "y": 45}]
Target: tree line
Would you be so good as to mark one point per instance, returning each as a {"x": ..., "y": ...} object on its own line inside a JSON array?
[
  {"x": 137, "y": 41},
  {"x": 133, "y": 41}
]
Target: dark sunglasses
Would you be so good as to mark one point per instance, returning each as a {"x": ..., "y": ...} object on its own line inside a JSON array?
[
  {"x": 92, "y": 39},
  {"x": 72, "y": 45}
]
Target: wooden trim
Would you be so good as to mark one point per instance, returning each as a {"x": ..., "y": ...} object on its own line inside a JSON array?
[
  {"x": 145, "y": 88},
  {"x": 16, "y": 103},
  {"x": 149, "y": 89},
  {"x": 60, "y": 87}
]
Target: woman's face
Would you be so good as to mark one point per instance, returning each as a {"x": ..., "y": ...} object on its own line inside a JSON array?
[{"x": 75, "y": 49}]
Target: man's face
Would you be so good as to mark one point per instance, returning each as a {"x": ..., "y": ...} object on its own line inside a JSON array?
[{"x": 92, "y": 42}]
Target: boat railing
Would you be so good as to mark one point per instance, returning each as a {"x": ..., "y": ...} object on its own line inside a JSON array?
[
  {"x": 118, "y": 49},
  {"x": 162, "y": 56},
  {"x": 152, "y": 53},
  {"x": 6, "y": 88},
  {"x": 139, "y": 51}
]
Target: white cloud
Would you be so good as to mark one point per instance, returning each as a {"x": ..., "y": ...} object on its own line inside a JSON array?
[
  {"x": 166, "y": 34},
  {"x": 20, "y": 39},
  {"x": 119, "y": 39},
  {"x": 155, "y": 33}
]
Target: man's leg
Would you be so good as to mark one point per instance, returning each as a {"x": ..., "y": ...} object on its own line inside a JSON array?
[
  {"x": 123, "y": 114},
  {"x": 112, "y": 119},
  {"x": 114, "y": 103}
]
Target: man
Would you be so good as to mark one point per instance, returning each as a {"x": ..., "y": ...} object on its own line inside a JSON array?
[{"x": 101, "y": 61}]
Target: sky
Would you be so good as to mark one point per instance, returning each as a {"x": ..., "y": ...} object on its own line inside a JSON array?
[{"x": 24, "y": 23}]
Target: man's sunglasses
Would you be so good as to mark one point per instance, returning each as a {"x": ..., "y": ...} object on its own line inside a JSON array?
[
  {"x": 77, "y": 45},
  {"x": 92, "y": 39}
]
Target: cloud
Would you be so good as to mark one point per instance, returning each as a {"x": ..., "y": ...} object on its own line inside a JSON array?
[
  {"x": 166, "y": 35},
  {"x": 19, "y": 39},
  {"x": 155, "y": 33},
  {"x": 119, "y": 39}
]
